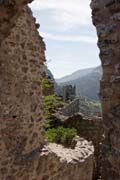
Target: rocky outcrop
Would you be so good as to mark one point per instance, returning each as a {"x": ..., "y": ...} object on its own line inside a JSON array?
[{"x": 106, "y": 18}]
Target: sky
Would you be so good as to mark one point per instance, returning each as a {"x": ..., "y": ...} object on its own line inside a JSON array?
[{"x": 70, "y": 37}]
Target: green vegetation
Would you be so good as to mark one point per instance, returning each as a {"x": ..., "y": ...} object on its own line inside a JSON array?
[
  {"x": 90, "y": 108},
  {"x": 51, "y": 103},
  {"x": 47, "y": 86},
  {"x": 86, "y": 82},
  {"x": 61, "y": 135},
  {"x": 47, "y": 83}
]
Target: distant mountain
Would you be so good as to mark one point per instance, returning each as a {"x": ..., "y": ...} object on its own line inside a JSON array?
[
  {"x": 86, "y": 82},
  {"x": 75, "y": 75}
]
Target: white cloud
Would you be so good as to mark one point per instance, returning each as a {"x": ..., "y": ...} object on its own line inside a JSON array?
[
  {"x": 87, "y": 39},
  {"x": 69, "y": 13},
  {"x": 67, "y": 21}
]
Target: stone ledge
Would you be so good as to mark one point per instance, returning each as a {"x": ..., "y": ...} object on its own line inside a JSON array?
[
  {"x": 80, "y": 153},
  {"x": 59, "y": 163}
]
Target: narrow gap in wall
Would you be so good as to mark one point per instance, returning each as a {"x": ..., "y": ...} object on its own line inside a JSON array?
[
  {"x": 73, "y": 70},
  {"x": 71, "y": 46}
]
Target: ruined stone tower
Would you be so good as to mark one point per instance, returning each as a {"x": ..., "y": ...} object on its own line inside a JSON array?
[{"x": 106, "y": 18}]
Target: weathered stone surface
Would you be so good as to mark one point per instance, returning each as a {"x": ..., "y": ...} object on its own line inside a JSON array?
[
  {"x": 21, "y": 111},
  {"x": 21, "y": 116},
  {"x": 71, "y": 108},
  {"x": 106, "y": 17},
  {"x": 68, "y": 93},
  {"x": 9, "y": 12},
  {"x": 90, "y": 129},
  {"x": 59, "y": 163}
]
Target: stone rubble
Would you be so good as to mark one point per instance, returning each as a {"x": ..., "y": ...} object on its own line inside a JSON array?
[{"x": 67, "y": 163}]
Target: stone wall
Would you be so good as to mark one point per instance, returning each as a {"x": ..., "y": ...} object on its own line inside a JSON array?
[
  {"x": 90, "y": 129},
  {"x": 22, "y": 156},
  {"x": 59, "y": 163},
  {"x": 106, "y": 18},
  {"x": 21, "y": 67},
  {"x": 9, "y": 12},
  {"x": 71, "y": 108},
  {"x": 68, "y": 93}
]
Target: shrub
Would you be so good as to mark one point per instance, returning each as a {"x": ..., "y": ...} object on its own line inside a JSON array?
[
  {"x": 51, "y": 103},
  {"x": 47, "y": 83},
  {"x": 61, "y": 135},
  {"x": 47, "y": 86}
]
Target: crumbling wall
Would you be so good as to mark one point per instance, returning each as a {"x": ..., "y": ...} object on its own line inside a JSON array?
[
  {"x": 68, "y": 93},
  {"x": 59, "y": 163},
  {"x": 21, "y": 119},
  {"x": 90, "y": 129},
  {"x": 71, "y": 108},
  {"x": 9, "y": 12},
  {"x": 22, "y": 156},
  {"x": 106, "y": 18}
]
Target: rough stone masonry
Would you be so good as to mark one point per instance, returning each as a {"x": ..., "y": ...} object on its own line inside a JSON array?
[
  {"x": 23, "y": 153},
  {"x": 21, "y": 114},
  {"x": 106, "y": 18},
  {"x": 21, "y": 119}
]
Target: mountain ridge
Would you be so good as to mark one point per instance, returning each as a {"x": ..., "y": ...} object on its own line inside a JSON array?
[
  {"x": 87, "y": 84},
  {"x": 75, "y": 75}
]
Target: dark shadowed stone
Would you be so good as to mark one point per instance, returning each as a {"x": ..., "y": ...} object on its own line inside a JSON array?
[
  {"x": 10, "y": 178},
  {"x": 3, "y": 170},
  {"x": 111, "y": 174},
  {"x": 37, "y": 25},
  {"x": 117, "y": 67},
  {"x": 35, "y": 85},
  {"x": 116, "y": 111},
  {"x": 33, "y": 107},
  {"x": 45, "y": 177},
  {"x": 25, "y": 69}
]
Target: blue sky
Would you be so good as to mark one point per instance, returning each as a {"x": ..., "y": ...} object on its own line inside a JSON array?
[{"x": 68, "y": 33}]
